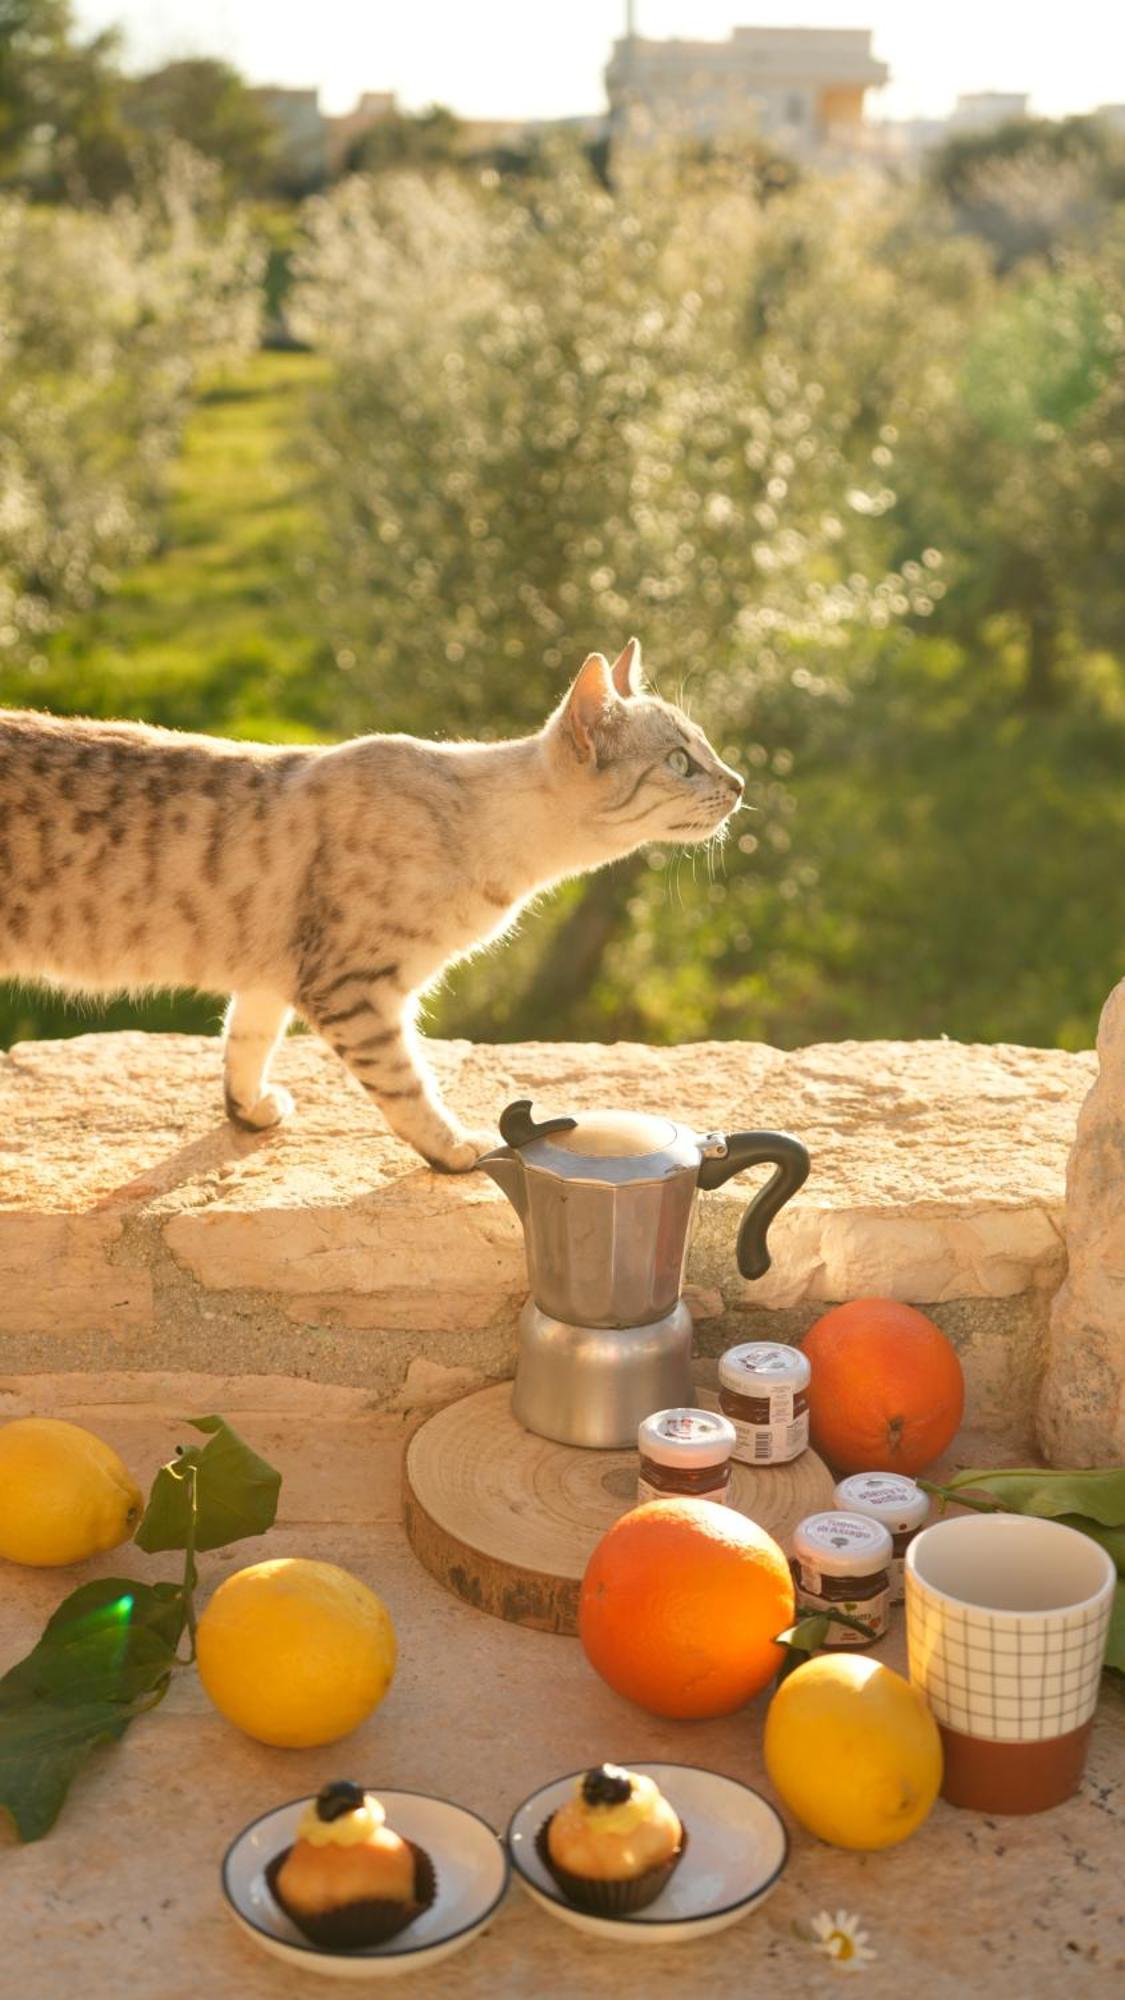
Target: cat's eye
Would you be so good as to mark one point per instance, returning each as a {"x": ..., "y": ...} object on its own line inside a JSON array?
[{"x": 679, "y": 762}]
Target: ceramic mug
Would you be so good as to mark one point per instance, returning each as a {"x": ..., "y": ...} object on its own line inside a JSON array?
[{"x": 1006, "y": 1621}]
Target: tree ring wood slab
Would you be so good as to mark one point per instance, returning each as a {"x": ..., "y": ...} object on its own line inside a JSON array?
[{"x": 507, "y": 1520}]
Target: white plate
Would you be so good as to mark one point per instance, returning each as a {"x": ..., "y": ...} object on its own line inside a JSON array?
[
  {"x": 736, "y": 1849},
  {"x": 472, "y": 1879}
]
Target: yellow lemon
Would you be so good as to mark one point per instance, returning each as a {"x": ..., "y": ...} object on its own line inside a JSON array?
[
  {"x": 853, "y": 1751},
  {"x": 64, "y": 1495},
  {"x": 295, "y": 1652}
]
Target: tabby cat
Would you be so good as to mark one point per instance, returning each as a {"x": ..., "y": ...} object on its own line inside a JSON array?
[{"x": 337, "y": 882}]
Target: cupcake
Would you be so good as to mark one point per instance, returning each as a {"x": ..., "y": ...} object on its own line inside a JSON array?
[
  {"x": 348, "y": 1880},
  {"x": 612, "y": 1847}
]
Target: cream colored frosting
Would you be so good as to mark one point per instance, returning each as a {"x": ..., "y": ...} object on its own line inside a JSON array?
[
  {"x": 348, "y": 1830},
  {"x": 615, "y": 1842},
  {"x": 626, "y": 1814}
]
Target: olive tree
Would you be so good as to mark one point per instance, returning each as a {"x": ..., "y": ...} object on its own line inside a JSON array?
[{"x": 546, "y": 429}]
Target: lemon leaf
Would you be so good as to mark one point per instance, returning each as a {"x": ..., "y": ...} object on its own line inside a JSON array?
[
  {"x": 1043, "y": 1490},
  {"x": 235, "y": 1493},
  {"x": 105, "y": 1656}
]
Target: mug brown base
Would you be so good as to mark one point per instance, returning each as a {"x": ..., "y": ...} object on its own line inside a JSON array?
[{"x": 1012, "y": 1777}]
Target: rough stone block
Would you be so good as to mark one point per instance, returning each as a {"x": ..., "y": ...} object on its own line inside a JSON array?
[{"x": 1082, "y": 1406}]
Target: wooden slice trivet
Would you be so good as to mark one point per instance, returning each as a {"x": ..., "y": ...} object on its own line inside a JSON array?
[{"x": 508, "y": 1521}]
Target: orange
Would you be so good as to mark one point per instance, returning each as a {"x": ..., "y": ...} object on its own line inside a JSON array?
[
  {"x": 887, "y": 1392},
  {"x": 681, "y": 1605}
]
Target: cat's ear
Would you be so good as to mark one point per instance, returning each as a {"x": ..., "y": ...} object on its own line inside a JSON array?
[
  {"x": 588, "y": 703},
  {"x": 627, "y": 672}
]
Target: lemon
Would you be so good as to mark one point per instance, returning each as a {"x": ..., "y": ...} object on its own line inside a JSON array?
[
  {"x": 853, "y": 1751},
  {"x": 64, "y": 1495},
  {"x": 295, "y": 1652}
]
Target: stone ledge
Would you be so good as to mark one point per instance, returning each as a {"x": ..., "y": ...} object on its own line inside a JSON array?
[{"x": 139, "y": 1230}]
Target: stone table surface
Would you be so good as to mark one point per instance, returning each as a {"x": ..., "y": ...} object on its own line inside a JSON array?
[{"x": 122, "y": 1897}]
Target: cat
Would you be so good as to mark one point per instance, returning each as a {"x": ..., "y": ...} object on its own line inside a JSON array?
[{"x": 337, "y": 882}]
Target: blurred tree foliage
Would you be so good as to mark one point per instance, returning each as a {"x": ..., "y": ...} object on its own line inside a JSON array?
[
  {"x": 1031, "y": 185},
  {"x": 75, "y": 127},
  {"x": 106, "y": 320},
  {"x": 403, "y": 139},
  {"x": 205, "y": 104},
  {"x": 780, "y": 440},
  {"x": 60, "y": 103}
]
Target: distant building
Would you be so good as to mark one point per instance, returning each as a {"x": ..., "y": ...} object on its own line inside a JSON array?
[
  {"x": 983, "y": 110},
  {"x": 802, "y": 87},
  {"x": 299, "y": 119},
  {"x": 905, "y": 141},
  {"x": 484, "y": 135}
]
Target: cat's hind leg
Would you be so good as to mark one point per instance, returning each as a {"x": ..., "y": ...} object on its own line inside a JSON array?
[
  {"x": 371, "y": 1030},
  {"x": 255, "y": 1024}
]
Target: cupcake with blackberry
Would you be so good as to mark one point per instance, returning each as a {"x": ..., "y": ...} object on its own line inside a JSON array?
[
  {"x": 613, "y": 1846},
  {"x": 349, "y": 1880}
]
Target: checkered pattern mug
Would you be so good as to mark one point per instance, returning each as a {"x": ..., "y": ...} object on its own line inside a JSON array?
[{"x": 1006, "y": 1621}]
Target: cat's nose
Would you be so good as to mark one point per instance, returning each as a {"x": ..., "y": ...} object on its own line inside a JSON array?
[{"x": 737, "y": 784}]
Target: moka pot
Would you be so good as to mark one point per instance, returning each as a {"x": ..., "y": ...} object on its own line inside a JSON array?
[{"x": 607, "y": 1201}]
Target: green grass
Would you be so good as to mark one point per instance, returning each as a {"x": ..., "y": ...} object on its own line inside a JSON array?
[{"x": 217, "y": 630}]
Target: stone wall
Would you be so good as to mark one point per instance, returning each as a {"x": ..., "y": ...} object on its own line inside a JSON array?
[
  {"x": 1082, "y": 1410},
  {"x": 138, "y": 1230}
]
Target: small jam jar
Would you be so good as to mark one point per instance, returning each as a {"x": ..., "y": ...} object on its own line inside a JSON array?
[
  {"x": 684, "y": 1452},
  {"x": 841, "y": 1562},
  {"x": 899, "y": 1503},
  {"x": 764, "y": 1390}
]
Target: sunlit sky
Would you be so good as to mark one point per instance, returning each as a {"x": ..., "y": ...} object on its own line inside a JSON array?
[{"x": 523, "y": 58}]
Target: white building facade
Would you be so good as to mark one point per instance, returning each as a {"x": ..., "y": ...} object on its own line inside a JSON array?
[{"x": 802, "y": 88}]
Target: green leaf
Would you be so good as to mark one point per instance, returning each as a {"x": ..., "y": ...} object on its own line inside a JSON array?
[
  {"x": 235, "y": 1490},
  {"x": 1039, "y": 1490},
  {"x": 802, "y": 1640},
  {"x": 807, "y": 1635},
  {"x": 42, "y": 1747},
  {"x": 105, "y": 1642},
  {"x": 104, "y": 1657}
]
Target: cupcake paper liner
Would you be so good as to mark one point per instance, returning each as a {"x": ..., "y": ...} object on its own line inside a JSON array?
[
  {"x": 373, "y": 1920},
  {"x": 609, "y": 1899}
]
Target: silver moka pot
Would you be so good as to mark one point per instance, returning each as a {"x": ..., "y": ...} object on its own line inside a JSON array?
[{"x": 606, "y": 1201}]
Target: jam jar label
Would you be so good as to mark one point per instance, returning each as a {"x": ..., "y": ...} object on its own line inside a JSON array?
[
  {"x": 785, "y": 1434},
  {"x": 873, "y": 1612},
  {"x": 720, "y": 1491}
]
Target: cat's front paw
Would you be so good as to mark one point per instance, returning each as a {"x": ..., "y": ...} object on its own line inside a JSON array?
[
  {"x": 463, "y": 1152},
  {"x": 272, "y": 1107}
]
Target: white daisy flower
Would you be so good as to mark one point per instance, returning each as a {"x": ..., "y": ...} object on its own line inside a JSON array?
[{"x": 841, "y": 1939}]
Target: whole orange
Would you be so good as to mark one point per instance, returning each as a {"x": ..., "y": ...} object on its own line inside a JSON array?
[
  {"x": 887, "y": 1392},
  {"x": 681, "y": 1605}
]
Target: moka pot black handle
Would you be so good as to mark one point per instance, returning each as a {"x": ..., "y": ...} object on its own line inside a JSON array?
[{"x": 754, "y": 1149}]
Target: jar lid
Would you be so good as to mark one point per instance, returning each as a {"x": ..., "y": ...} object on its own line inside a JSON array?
[
  {"x": 762, "y": 1365},
  {"x": 899, "y": 1503},
  {"x": 843, "y": 1544},
  {"x": 687, "y": 1438}
]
